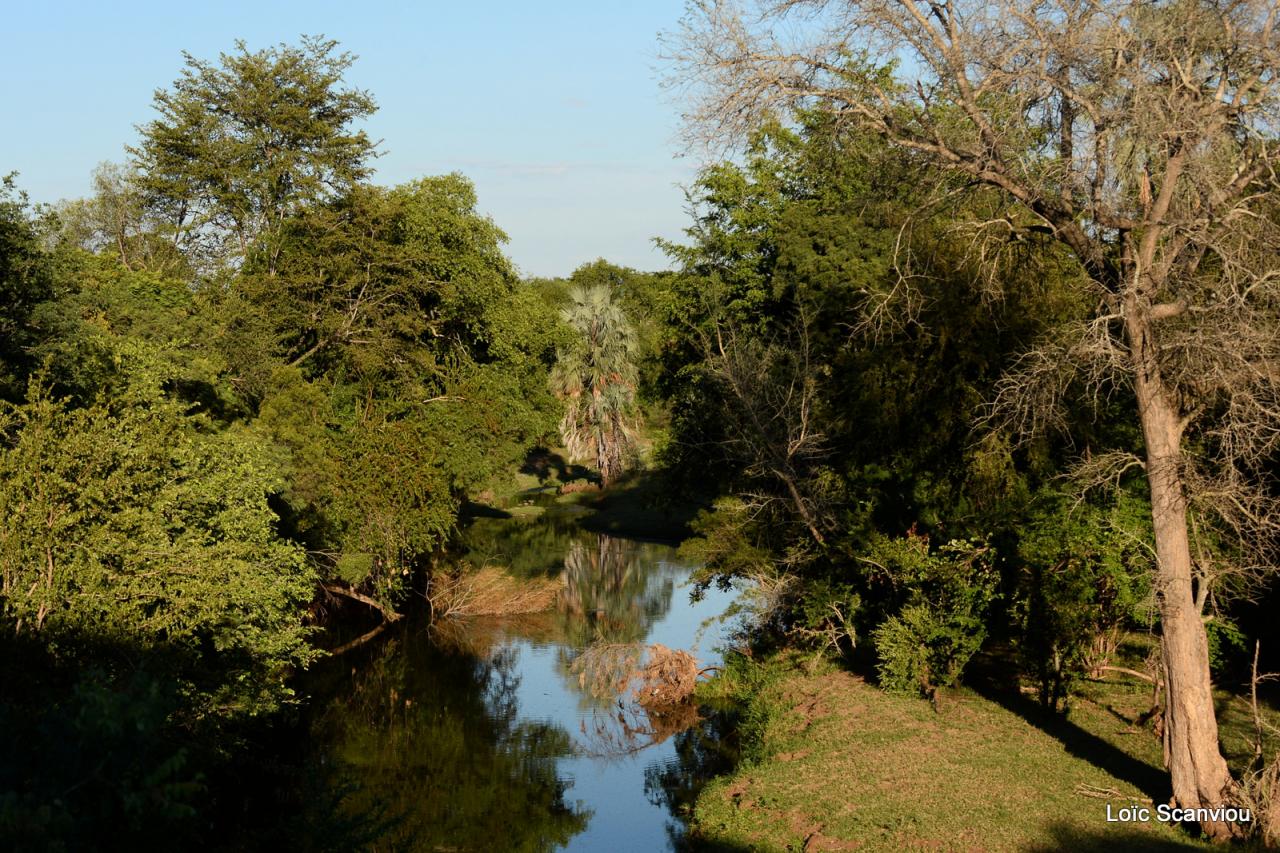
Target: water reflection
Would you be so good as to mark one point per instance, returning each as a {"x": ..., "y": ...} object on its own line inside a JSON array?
[
  {"x": 484, "y": 735},
  {"x": 611, "y": 592},
  {"x": 433, "y": 748}
]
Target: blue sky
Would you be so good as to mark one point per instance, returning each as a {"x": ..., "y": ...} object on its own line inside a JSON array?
[{"x": 552, "y": 109}]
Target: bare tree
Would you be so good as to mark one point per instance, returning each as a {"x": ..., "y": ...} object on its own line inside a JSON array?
[
  {"x": 1141, "y": 136},
  {"x": 769, "y": 391}
]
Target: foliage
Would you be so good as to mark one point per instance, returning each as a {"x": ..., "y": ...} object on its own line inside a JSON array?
[
  {"x": 111, "y": 328},
  {"x": 98, "y": 761},
  {"x": 595, "y": 375},
  {"x": 125, "y": 520},
  {"x": 237, "y": 372},
  {"x": 242, "y": 144},
  {"x": 838, "y": 428},
  {"x": 1086, "y": 578},
  {"x": 25, "y": 280},
  {"x": 115, "y": 222},
  {"x": 400, "y": 371},
  {"x": 944, "y": 597},
  {"x": 1081, "y": 125}
]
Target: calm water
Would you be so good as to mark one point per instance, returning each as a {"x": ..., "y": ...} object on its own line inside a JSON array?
[{"x": 493, "y": 735}]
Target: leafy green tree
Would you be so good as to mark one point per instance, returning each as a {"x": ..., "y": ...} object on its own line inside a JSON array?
[
  {"x": 125, "y": 522},
  {"x": 1083, "y": 124},
  {"x": 1085, "y": 578},
  {"x": 937, "y": 607},
  {"x": 373, "y": 490},
  {"x": 645, "y": 299},
  {"x": 596, "y": 377},
  {"x": 242, "y": 144},
  {"x": 384, "y": 288},
  {"x": 832, "y": 428},
  {"x": 398, "y": 364},
  {"x": 109, "y": 322}
]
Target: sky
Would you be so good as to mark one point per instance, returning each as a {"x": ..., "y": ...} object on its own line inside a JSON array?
[{"x": 554, "y": 110}]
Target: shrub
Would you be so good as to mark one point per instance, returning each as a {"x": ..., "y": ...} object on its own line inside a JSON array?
[
  {"x": 942, "y": 596},
  {"x": 922, "y": 649},
  {"x": 1085, "y": 578}
]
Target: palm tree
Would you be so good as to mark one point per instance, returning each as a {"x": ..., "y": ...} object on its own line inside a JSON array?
[{"x": 596, "y": 377}]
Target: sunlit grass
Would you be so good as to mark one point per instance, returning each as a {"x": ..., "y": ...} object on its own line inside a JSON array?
[{"x": 835, "y": 763}]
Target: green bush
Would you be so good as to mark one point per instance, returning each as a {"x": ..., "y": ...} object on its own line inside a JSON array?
[
  {"x": 944, "y": 595},
  {"x": 922, "y": 649},
  {"x": 1085, "y": 578}
]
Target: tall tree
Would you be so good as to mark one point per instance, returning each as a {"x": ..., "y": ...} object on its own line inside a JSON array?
[
  {"x": 596, "y": 377},
  {"x": 241, "y": 144},
  {"x": 1140, "y": 136}
]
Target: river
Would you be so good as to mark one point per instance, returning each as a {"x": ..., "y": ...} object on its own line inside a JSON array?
[{"x": 491, "y": 734}]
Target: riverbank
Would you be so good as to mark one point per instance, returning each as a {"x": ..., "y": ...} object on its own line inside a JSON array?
[
  {"x": 637, "y": 506},
  {"x": 831, "y": 762}
]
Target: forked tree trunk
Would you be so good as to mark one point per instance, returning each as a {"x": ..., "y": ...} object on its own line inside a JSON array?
[{"x": 1198, "y": 771}]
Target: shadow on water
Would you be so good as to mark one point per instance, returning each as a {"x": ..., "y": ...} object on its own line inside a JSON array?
[
  {"x": 109, "y": 756},
  {"x": 431, "y": 744}
]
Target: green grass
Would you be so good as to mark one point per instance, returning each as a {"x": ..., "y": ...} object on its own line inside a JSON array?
[{"x": 831, "y": 762}]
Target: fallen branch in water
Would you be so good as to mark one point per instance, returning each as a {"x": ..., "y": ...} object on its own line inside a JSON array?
[{"x": 668, "y": 677}]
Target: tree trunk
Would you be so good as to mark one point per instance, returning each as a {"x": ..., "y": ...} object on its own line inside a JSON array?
[{"x": 1198, "y": 771}]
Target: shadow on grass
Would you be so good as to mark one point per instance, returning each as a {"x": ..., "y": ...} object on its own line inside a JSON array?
[
  {"x": 701, "y": 845},
  {"x": 1066, "y": 837},
  {"x": 1062, "y": 837},
  {"x": 640, "y": 506},
  {"x": 988, "y": 680}
]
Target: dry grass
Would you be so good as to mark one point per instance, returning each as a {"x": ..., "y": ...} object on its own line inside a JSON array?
[{"x": 489, "y": 591}]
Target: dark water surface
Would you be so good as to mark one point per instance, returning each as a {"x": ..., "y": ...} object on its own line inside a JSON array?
[{"x": 486, "y": 735}]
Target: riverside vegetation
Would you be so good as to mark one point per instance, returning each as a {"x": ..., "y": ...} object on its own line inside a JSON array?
[{"x": 970, "y": 383}]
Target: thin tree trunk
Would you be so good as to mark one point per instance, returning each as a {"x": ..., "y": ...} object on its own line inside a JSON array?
[{"x": 1198, "y": 771}]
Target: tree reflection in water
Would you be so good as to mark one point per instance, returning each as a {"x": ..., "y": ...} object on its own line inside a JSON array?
[
  {"x": 703, "y": 751},
  {"x": 426, "y": 734},
  {"x": 430, "y": 742}
]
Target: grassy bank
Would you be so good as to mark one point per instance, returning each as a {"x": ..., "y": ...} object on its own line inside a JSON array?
[{"x": 831, "y": 762}]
